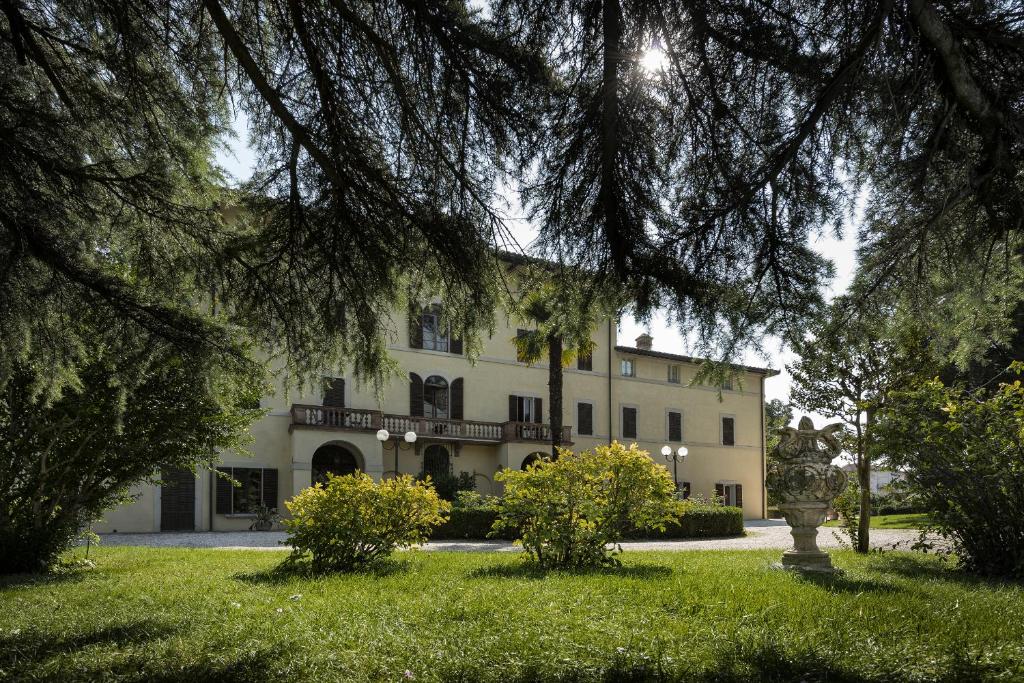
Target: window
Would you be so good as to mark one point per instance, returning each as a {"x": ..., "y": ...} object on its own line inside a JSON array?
[
  {"x": 627, "y": 369},
  {"x": 258, "y": 486},
  {"x": 728, "y": 431},
  {"x": 727, "y": 384},
  {"x": 435, "y": 397},
  {"x": 334, "y": 392},
  {"x": 585, "y": 418},
  {"x": 585, "y": 362},
  {"x": 520, "y": 356},
  {"x": 628, "y": 423},
  {"x": 675, "y": 426},
  {"x": 435, "y": 337},
  {"x": 730, "y": 494},
  {"x": 673, "y": 374},
  {"x": 524, "y": 409}
]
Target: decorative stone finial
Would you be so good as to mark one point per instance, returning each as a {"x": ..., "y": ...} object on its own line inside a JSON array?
[{"x": 804, "y": 479}]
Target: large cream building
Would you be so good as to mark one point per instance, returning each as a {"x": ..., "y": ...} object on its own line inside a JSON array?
[{"x": 476, "y": 418}]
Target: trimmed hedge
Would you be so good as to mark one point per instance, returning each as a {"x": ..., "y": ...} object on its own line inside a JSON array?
[
  {"x": 898, "y": 510},
  {"x": 468, "y": 523},
  {"x": 703, "y": 522}
]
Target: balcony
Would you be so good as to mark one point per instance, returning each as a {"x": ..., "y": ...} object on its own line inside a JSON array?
[{"x": 466, "y": 431}]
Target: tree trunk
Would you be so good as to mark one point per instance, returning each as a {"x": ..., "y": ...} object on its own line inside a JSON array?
[
  {"x": 608, "y": 197},
  {"x": 555, "y": 391},
  {"x": 864, "y": 479}
]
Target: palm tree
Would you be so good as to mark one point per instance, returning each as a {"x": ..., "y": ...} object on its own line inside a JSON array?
[{"x": 564, "y": 315}]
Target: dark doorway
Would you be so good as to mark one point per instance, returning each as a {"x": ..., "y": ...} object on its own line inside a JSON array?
[
  {"x": 178, "y": 500},
  {"x": 333, "y": 459},
  {"x": 436, "y": 461}
]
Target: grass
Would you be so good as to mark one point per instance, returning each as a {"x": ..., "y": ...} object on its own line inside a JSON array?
[
  {"x": 914, "y": 521},
  {"x": 217, "y": 615}
]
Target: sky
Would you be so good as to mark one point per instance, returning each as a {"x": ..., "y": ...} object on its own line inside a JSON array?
[{"x": 239, "y": 160}]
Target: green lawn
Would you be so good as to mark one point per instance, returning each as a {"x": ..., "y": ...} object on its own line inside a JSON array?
[
  {"x": 915, "y": 521},
  {"x": 217, "y": 615}
]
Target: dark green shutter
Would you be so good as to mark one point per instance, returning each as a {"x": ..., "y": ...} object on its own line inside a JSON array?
[
  {"x": 224, "y": 491},
  {"x": 739, "y": 496},
  {"x": 415, "y": 328},
  {"x": 457, "y": 401},
  {"x": 270, "y": 487},
  {"x": 675, "y": 426},
  {"x": 720, "y": 491},
  {"x": 415, "y": 395},
  {"x": 334, "y": 392},
  {"x": 538, "y": 407},
  {"x": 728, "y": 431},
  {"x": 513, "y": 414},
  {"x": 629, "y": 423},
  {"x": 584, "y": 418},
  {"x": 455, "y": 345}
]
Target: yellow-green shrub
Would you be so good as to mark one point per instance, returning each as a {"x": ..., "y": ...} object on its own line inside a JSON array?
[
  {"x": 571, "y": 512},
  {"x": 353, "y": 521}
]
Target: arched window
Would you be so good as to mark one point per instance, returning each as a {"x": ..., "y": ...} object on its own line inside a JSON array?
[
  {"x": 436, "y": 462},
  {"x": 532, "y": 458},
  {"x": 333, "y": 459},
  {"x": 435, "y": 397}
]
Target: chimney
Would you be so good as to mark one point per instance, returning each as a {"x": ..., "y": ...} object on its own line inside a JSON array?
[{"x": 644, "y": 342}]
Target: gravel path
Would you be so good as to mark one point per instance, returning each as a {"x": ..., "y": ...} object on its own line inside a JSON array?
[{"x": 760, "y": 534}]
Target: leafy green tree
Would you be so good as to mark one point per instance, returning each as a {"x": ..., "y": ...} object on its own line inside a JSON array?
[
  {"x": 777, "y": 414},
  {"x": 849, "y": 359},
  {"x": 962, "y": 451},
  {"x": 568, "y": 512},
  {"x": 139, "y": 406},
  {"x": 564, "y": 314}
]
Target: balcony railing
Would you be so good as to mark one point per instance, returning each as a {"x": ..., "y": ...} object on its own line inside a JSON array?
[{"x": 358, "y": 419}]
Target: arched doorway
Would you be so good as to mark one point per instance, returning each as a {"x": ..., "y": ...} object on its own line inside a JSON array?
[
  {"x": 532, "y": 458},
  {"x": 436, "y": 461},
  {"x": 333, "y": 459}
]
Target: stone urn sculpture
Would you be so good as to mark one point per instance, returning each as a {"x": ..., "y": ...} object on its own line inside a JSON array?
[{"x": 804, "y": 480}]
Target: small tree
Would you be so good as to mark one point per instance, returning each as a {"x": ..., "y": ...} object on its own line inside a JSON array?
[
  {"x": 777, "y": 415},
  {"x": 570, "y": 510},
  {"x": 353, "y": 521},
  {"x": 63, "y": 463},
  {"x": 848, "y": 361},
  {"x": 963, "y": 454}
]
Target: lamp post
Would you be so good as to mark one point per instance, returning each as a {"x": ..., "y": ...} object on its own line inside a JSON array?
[
  {"x": 675, "y": 458},
  {"x": 405, "y": 444}
]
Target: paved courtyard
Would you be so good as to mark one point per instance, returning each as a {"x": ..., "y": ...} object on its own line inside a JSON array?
[{"x": 760, "y": 534}]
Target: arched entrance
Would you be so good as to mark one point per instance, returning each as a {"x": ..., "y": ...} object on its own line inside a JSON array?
[
  {"x": 333, "y": 459},
  {"x": 532, "y": 458},
  {"x": 436, "y": 461}
]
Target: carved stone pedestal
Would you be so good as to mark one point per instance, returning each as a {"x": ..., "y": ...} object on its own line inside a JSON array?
[
  {"x": 804, "y": 479},
  {"x": 805, "y": 518}
]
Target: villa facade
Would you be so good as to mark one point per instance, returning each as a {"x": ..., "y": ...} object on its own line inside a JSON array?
[{"x": 476, "y": 418}]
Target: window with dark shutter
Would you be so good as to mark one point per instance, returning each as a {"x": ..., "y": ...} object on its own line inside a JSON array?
[
  {"x": 585, "y": 362},
  {"x": 675, "y": 426},
  {"x": 538, "y": 410},
  {"x": 455, "y": 346},
  {"x": 457, "y": 399},
  {"x": 739, "y": 496},
  {"x": 334, "y": 392},
  {"x": 270, "y": 487},
  {"x": 685, "y": 487},
  {"x": 520, "y": 356},
  {"x": 728, "y": 431},
  {"x": 415, "y": 395},
  {"x": 223, "y": 487},
  {"x": 415, "y": 328},
  {"x": 513, "y": 408},
  {"x": 720, "y": 491},
  {"x": 584, "y": 418},
  {"x": 629, "y": 423}
]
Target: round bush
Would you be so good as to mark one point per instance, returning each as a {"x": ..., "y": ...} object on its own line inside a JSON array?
[{"x": 354, "y": 521}]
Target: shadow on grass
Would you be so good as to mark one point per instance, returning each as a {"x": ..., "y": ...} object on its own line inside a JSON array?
[
  {"x": 22, "y": 652},
  {"x": 42, "y": 579},
  {"x": 289, "y": 571},
  {"x": 248, "y": 667},
  {"x": 840, "y": 583},
  {"x": 529, "y": 570},
  {"x": 916, "y": 566}
]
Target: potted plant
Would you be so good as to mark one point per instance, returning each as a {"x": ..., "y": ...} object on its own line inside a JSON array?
[{"x": 265, "y": 519}]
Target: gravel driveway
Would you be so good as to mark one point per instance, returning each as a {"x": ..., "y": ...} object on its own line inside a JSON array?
[{"x": 770, "y": 533}]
